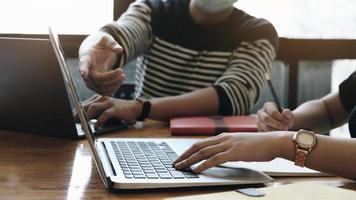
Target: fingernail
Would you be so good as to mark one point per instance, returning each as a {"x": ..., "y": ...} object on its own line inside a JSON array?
[
  {"x": 196, "y": 170},
  {"x": 84, "y": 75},
  {"x": 173, "y": 164}
]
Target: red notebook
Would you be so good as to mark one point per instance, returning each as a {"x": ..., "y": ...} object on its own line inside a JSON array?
[{"x": 212, "y": 125}]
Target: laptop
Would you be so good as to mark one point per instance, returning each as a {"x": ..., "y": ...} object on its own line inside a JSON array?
[
  {"x": 33, "y": 97},
  {"x": 141, "y": 163}
]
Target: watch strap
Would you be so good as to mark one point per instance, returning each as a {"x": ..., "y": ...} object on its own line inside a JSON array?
[
  {"x": 300, "y": 157},
  {"x": 146, "y": 108},
  {"x": 302, "y": 149}
]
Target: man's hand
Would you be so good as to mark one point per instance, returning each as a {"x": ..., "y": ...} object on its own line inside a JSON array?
[
  {"x": 270, "y": 119},
  {"x": 97, "y": 56},
  {"x": 104, "y": 108},
  {"x": 232, "y": 147}
]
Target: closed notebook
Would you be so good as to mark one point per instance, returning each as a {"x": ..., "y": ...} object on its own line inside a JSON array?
[{"x": 212, "y": 125}]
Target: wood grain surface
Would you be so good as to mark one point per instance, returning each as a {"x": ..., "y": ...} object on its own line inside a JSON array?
[{"x": 41, "y": 167}]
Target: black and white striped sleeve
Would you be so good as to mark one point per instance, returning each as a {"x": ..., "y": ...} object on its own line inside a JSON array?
[
  {"x": 241, "y": 84},
  {"x": 132, "y": 31}
]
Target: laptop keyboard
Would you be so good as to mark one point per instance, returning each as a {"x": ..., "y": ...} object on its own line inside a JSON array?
[{"x": 148, "y": 160}]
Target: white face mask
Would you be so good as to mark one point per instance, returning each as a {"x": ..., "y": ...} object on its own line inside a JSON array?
[{"x": 214, "y": 6}]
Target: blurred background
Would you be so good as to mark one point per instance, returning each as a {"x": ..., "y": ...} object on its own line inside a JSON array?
[{"x": 302, "y": 21}]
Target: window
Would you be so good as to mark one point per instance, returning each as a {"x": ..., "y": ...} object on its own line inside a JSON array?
[
  {"x": 66, "y": 16},
  {"x": 321, "y": 19},
  {"x": 306, "y": 18}
]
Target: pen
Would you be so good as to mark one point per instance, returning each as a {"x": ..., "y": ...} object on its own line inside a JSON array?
[{"x": 274, "y": 95}]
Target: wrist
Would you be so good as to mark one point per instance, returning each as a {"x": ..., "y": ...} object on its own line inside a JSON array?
[
  {"x": 145, "y": 109},
  {"x": 137, "y": 108},
  {"x": 285, "y": 144}
]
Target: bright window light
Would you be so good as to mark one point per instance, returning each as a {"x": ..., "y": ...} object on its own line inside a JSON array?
[
  {"x": 66, "y": 16},
  {"x": 306, "y": 18}
]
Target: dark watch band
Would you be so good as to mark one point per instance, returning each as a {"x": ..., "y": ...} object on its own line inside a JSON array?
[{"x": 146, "y": 107}]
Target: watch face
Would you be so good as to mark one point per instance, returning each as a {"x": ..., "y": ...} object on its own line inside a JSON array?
[{"x": 306, "y": 139}]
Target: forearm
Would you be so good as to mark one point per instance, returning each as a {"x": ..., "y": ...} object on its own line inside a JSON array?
[
  {"x": 199, "y": 102},
  {"x": 320, "y": 115},
  {"x": 312, "y": 115},
  {"x": 331, "y": 155}
]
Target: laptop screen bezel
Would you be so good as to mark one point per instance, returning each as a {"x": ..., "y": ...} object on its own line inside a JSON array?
[{"x": 69, "y": 84}]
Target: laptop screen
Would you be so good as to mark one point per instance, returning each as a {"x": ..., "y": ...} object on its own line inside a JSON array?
[{"x": 76, "y": 101}]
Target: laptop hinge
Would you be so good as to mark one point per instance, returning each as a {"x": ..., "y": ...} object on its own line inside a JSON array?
[
  {"x": 110, "y": 183},
  {"x": 105, "y": 155},
  {"x": 104, "y": 158},
  {"x": 107, "y": 165}
]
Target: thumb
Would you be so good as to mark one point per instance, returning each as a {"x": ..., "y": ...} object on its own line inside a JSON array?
[
  {"x": 84, "y": 65},
  {"x": 109, "y": 42},
  {"x": 115, "y": 47},
  {"x": 288, "y": 117}
]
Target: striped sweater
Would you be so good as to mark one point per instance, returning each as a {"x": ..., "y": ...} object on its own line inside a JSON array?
[{"x": 177, "y": 56}]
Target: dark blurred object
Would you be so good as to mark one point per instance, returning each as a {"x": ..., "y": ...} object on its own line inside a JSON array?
[
  {"x": 126, "y": 91},
  {"x": 352, "y": 123}
]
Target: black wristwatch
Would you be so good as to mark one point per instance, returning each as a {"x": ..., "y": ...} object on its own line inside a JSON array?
[{"x": 146, "y": 107}]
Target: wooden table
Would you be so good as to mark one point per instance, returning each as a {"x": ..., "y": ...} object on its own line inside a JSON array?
[{"x": 41, "y": 167}]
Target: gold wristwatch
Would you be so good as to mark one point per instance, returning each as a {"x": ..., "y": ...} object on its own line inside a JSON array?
[{"x": 304, "y": 141}]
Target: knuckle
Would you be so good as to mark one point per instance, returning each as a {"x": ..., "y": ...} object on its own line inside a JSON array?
[
  {"x": 219, "y": 136},
  {"x": 94, "y": 106},
  {"x": 105, "y": 114},
  {"x": 195, "y": 146},
  {"x": 225, "y": 136},
  {"x": 202, "y": 152},
  {"x": 265, "y": 105},
  {"x": 263, "y": 116},
  {"x": 215, "y": 160},
  {"x": 275, "y": 113},
  {"x": 204, "y": 165},
  {"x": 110, "y": 103},
  {"x": 266, "y": 118},
  {"x": 103, "y": 98}
]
